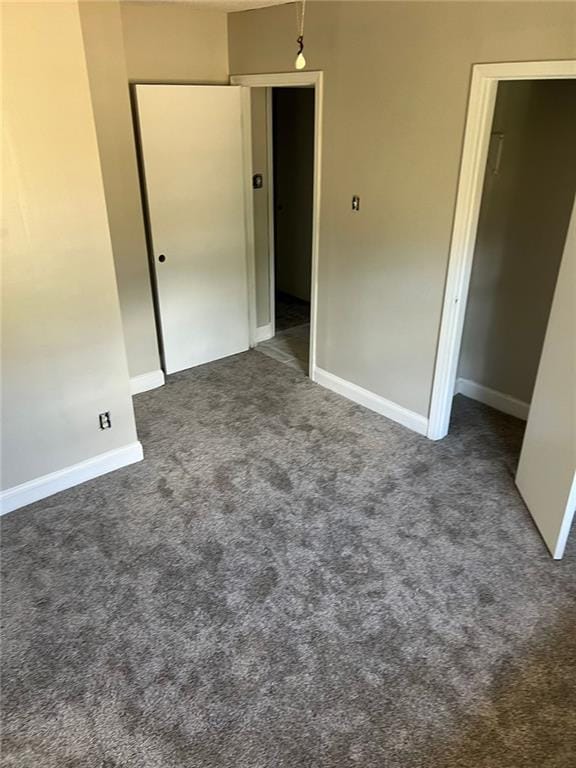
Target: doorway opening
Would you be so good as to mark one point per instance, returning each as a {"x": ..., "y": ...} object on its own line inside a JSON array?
[
  {"x": 504, "y": 340},
  {"x": 478, "y": 141},
  {"x": 284, "y": 113},
  {"x": 527, "y": 197},
  {"x": 292, "y": 190}
]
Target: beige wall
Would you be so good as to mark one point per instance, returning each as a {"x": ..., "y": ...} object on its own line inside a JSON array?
[
  {"x": 259, "y": 110},
  {"x": 161, "y": 42},
  {"x": 171, "y": 42},
  {"x": 104, "y": 49},
  {"x": 396, "y": 84},
  {"x": 521, "y": 233},
  {"x": 63, "y": 357}
]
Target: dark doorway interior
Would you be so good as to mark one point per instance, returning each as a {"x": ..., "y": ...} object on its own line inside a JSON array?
[{"x": 293, "y": 132}]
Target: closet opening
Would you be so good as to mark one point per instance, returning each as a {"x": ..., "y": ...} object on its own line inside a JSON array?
[
  {"x": 507, "y": 328},
  {"x": 527, "y": 198}
]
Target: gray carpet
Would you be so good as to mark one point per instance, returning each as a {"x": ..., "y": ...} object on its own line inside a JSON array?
[{"x": 289, "y": 581}]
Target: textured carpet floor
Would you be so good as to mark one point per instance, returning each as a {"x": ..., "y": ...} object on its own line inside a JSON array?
[{"x": 289, "y": 581}]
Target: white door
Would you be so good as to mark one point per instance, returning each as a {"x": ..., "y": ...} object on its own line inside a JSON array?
[
  {"x": 546, "y": 474},
  {"x": 192, "y": 151}
]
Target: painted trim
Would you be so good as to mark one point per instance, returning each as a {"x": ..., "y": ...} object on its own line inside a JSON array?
[
  {"x": 264, "y": 332},
  {"x": 278, "y": 79},
  {"x": 250, "y": 242},
  {"x": 397, "y": 413},
  {"x": 146, "y": 381},
  {"x": 493, "y": 398},
  {"x": 47, "y": 485},
  {"x": 292, "y": 80},
  {"x": 484, "y": 85}
]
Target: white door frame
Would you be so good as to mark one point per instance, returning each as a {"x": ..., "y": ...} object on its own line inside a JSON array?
[
  {"x": 283, "y": 80},
  {"x": 485, "y": 79}
]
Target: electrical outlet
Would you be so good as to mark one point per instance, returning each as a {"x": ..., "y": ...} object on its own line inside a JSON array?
[{"x": 105, "y": 420}]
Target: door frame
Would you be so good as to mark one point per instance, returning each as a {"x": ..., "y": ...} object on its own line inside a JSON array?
[
  {"x": 269, "y": 81},
  {"x": 481, "y": 103}
]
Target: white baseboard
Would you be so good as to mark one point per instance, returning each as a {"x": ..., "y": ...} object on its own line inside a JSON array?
[
  {"x": 397, "y": 413},
  {"x": 47, "y": 485},
  {"x": 493, "y": 398},
  {"x": 146, "y": 381},
  {"x": 264, "y": 332}
]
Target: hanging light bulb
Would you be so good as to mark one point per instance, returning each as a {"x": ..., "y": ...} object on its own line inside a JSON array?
[{"x": 300, "y": 62}]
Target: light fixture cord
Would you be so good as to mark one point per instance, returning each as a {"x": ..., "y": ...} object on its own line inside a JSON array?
[{"x": 300, "y": 13}]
